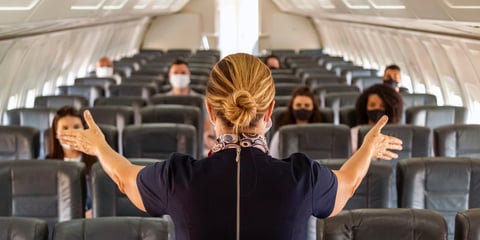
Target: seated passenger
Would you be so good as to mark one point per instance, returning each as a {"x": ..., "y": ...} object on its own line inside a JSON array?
[
  {"x": 272, "y": 61},
  {"x": 392, "y": 77},
  {"x": 302, "y": 109},
  {"x": 373, "y": 103},
  {"x": 104, "y": 69},
  {"x": 68, "y": 118}
]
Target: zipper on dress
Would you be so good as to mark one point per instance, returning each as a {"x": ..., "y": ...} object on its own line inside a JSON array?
[{"x": 237, "y": 159}]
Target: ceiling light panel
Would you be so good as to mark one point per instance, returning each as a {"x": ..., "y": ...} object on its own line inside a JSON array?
[
  {"x": 357, "y": 4},
  {"x": 114, "y": 4},
  {"x": 87, "y": 4},
  {"x": 17, "y": 5},
  {"x": 387, "y": 4}
]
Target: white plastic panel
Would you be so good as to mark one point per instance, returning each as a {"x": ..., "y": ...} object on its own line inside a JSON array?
[{"x": 17, "y": 5}]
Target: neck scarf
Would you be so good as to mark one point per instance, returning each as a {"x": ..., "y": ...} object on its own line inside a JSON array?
[{"x": 227, "y": 141}]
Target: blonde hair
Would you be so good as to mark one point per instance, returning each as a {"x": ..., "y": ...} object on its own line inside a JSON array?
[{"x": 240, "y": 90}]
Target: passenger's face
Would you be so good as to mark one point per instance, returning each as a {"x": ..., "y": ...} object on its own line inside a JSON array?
[
  {"x": 179, "y": 69},
  {"x": 302, "y": 102},
  {"x": 273, "y": 63},
  {"x": 374, "y": 102},
  {"x": 69, "y": 123},
  {"x": 394, "y": 75}
]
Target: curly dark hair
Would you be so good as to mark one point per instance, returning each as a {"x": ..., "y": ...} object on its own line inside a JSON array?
[
  {"x": 392, "y": 101},
  {"x": 288, "y": 117},
  {"x": 56, "y": 150}
]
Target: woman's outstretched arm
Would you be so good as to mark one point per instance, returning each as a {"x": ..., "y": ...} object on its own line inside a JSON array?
[
  {"x": 354, "y": 170},
  {"x": 121, "y": 171}
]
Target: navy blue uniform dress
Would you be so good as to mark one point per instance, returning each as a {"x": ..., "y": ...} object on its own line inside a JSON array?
[{"x": 277, "y": 196}]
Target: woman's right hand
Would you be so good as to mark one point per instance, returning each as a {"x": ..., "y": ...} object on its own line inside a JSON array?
[
  {"x": 380, "y": 145},
  {"x": 89, "y": 141}
]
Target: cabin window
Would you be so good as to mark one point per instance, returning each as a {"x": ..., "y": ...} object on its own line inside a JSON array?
[
  {"x": 12, "y": 102},
  {"x": 30, "y": 101}
]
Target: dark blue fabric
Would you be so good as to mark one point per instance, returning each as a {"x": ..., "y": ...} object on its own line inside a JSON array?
[{"x": 277, "y": 196}]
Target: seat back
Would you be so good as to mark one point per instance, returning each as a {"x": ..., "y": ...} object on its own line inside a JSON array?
[
  {"x": 375, "y": 189},
  {"x": 322, "y": 90},
  {"x": 466, "y": 225},
  {"x": 348, "y": 116},
  {"x": 189, "y": 100},
  {"x": 17, "y": 142},
  {"x": 107, "y": 200},
  {"x": 169, "y": 113},
  {"x": 137, "y": 103},
  {"x": 435, "y": 116},
  {"x": 96, "y": 81},
  {"x": 446, "y": 185},
  {"x": 317, "y": 140},
  {"x": 418, "y": 99},
  {"x": 23, "y": 228},
  {"x": 417, "y": 140},
  {"x": 380, "y": 224},
  {"x": 365, "y": 82},
  {"x": 335, "y": 101},
  {"x": 132, "y": 90},
  {"x": 159, "y": 140},
  {"x": 285, "y": 89},
  {"x": 57, "y": 101},
  {"x": 120, "y": 228},
  {"x": 53, "y": 190},
  {"x": 90, "y": 92},
  {"x": 458, "y": 140}
]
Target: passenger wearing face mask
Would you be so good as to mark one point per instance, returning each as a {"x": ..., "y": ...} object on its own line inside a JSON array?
[
  {"x": 104, "y": 69},
  {"x": 179, "y": 78},
  {"x": 373, "y": 103},
  {"x": 68, "y": 118},
  {"x": 302, "y": 109},
  {"x": 392, "y": 77}
]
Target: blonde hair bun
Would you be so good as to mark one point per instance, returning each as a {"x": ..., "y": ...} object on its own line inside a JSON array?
[{"x": 240, "y": 108}]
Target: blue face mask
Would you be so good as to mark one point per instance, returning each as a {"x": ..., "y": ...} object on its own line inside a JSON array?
[
  {"x": 375, "y": 115},
  {"x": 391, "y": 82}
]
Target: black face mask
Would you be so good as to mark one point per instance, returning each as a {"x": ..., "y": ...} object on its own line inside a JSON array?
[
  {"x": 375, "y": 115},
  {"x": 302, "y": 114},
  {"x": 391, "y": 82}
]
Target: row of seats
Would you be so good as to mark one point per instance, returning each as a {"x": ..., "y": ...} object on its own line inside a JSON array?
[{"x": 40, "y": 186}]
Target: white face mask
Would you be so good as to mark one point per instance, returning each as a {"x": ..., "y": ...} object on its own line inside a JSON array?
[
  {"x": 268, "y": 125},
  {"x": 104, "y": 71},
  {"x": 65, "y": 146},
  {"x": 179, "y": 80}
]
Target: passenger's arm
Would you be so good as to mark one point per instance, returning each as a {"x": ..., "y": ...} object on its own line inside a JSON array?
[
  {"x": 354, "y": 170},
  {"x": 92, "y": 141}
]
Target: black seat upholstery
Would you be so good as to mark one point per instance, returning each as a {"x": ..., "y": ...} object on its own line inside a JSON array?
[
  {"x": 189, "y": 100},
  {"x": 418, "y": 99},
  {"x": 285, "y": 89},
  {"x": 23, "y": 228},
  {"x": 375, "y": 189},
  {"x": 317, "y": 140},
  {"x": 365, "y": 82},
  {"x": 435, "y": 116},
  {"x": 314, "y": 81},
  {"x": 118, "y": 228},
  {"x": 380, "y": 224},
  {"x": 39, "y": 118},
  {"x": 335, "y": 101},
  {"x": 169, "y": 113},
  {"x": 107, "y": 200},
  {"x": 137, "y": 103},
  {"x": 466, "y": 225},
  {"x": 118, "y": 116},
  {"x": 90, "y": 92},
  {"x": 460, "y": 140},
  {"x": 348, "y": 116},
  {"x": 57, "y": 101},
  {"x": 96, "y": 81},
  {"x": 417, "y": 140},
  {"x": 132, "y": 90},
  {"x": 322, "y": 90},
  {"x": 17, "y": 142},
  {"x": 52, "y": 190},
  {"x": 159, "y": 140},
  {"x": 446, "y": 185}
]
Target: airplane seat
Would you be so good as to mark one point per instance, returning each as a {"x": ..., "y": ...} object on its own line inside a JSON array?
[
  {"x": 311, "y": 52},
  {"x": 132, "y": 90},
  {"x": 159, "y": 140},
  {"x": 282, "y": 101},
  {"x": 40, "y": 118},
  {"x": 56, "y": 101},
  {"x": 375, "y": 189},
  {"x": 357, "y": 73},
  {"x": 337, "y": 100},
  {"x": 95, "y": 81},
  {"x": 286, "y": 78},
  {"x": 416, "y": 99},
  {"x": 137, "y": 103},
  {"x": 365, "y": 82},
  {"x": 286, "y": 89},
  {"x": 189, "y": 100},
  {"x": 107, "y": 200},
  {"x": 446, "y": 185},
  {"x": 379, "y": 224},
  {"x": 314, "y": 81},
  {"x": 113, "y": 228},
  {"x": 23, "y": 228},
  {"x": 322, "y": 90},
  {"x": 169, "y": 113},
  {"x": 316, "y": 140},
  {"x": 459, "y": 140},
  {"x": 435, "y": 116},
  {"x": 348, "y": 116},
  {"x": 19, "y": 142},
  {"x": 90, "y": 92},
  {"x": 51, "y": 190},
  {"x": 417, "y": 140},
  {"x": 466, "y": 225}
]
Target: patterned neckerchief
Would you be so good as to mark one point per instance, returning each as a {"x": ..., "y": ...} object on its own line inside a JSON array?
[{"x": 227, "y": 141}]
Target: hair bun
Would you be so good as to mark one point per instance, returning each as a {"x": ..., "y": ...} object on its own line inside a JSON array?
[{"x": 240, "y": 108}]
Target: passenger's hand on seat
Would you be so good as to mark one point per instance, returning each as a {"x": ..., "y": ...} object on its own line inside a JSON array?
[
  {"x": 88, "y": 141},
  {"x": 379, "y": 144}
]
